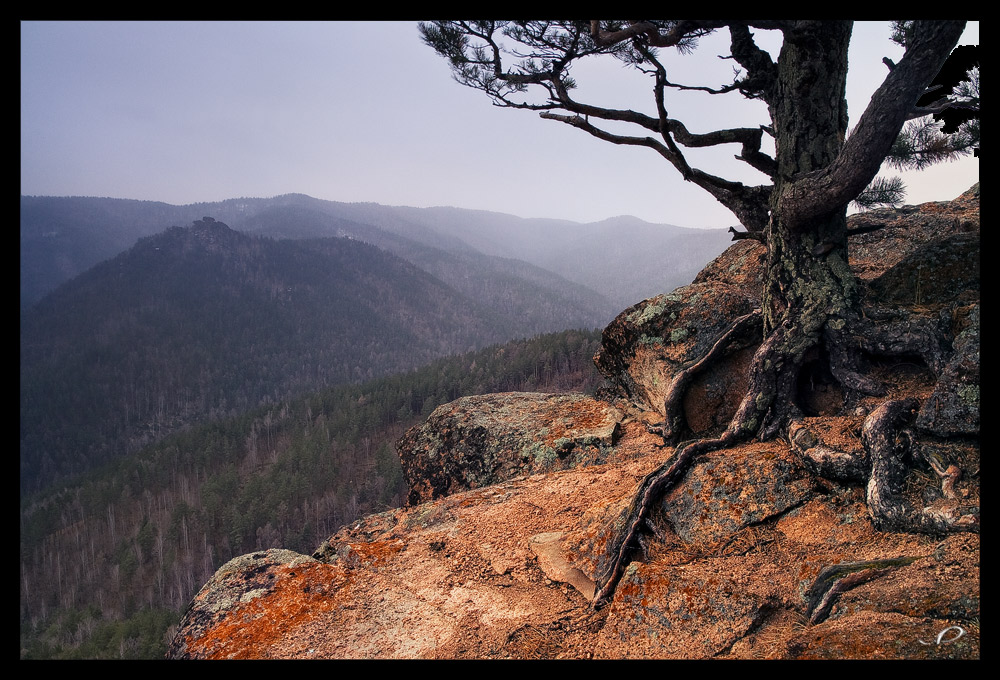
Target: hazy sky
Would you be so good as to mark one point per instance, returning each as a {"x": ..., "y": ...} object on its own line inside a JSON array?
[{"x": 185, "y": 112}]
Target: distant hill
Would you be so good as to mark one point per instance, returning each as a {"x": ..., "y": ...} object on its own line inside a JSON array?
[
  {"x": 158, "y": 330},
  {"x": 535, "y": 299},
  {"x": 622, "y": 259},
  {"x": 62, "y": 237},
  {"x": 205, "y": 321}
]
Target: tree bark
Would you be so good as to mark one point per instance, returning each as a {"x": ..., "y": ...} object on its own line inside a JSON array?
[{"x": 808, "y": 286}]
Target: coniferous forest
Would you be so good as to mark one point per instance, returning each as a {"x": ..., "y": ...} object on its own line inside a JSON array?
[{"x": 111, "y": 557}]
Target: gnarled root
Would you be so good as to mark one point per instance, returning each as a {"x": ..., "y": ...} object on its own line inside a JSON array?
[
  {"x": 949, "y": 473},
  {"x": 770, "y": 405},
  {"x": 740, "y": 333},
  {"x": 887, "y": 439},
  {"x": 884, "y": 332},
  {"x": 825, "y": 460},
  {"x": 754, "y": 411},
  {"x": 650, "y": 490},
  {"x": 902, "y": 333},
  {"x": 839, "y": 578}
]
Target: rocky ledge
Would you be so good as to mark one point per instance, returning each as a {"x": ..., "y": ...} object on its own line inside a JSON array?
[
  {"x": 480, "y": 440},
  {"x": 760, "y": 552}
]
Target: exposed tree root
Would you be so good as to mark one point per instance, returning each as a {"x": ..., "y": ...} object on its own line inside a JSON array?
[
  {"x": 769, "y": 409},
  {"x": 755, "y": 406},
  {"x": 839, "y": 578},
  {"x": 896, "y": 333},
  {"x": 949, "y": 473},
  {"x": 825, "y": 460},
  {"x": 735, "y": 337},
  {"x": 649, "y": 492},
  {"x": 887, "y": 439}
]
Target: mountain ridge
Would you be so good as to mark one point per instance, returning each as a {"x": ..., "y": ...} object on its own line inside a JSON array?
[
  {"x": 63, "y": 236},
  {"x": 204, "y": 319}
]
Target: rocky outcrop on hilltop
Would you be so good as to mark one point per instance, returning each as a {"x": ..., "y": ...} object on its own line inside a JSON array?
[{"x": 765, "y": 550}]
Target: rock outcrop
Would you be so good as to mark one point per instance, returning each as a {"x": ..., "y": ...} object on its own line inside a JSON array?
[
  {"x": 651, "y": 341},
  {"x": 760, "y": 551},
  {"x": 481, "y": 440},
  {"x": 923, "y": 257}
]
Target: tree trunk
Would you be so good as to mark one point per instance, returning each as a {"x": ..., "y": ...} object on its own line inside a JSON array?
[
  {"x": 809, "y": 290},
  {"x": 810, "y": 295}
]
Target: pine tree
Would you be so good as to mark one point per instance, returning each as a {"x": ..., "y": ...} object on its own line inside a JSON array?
[{"x": 811, "y": 299}]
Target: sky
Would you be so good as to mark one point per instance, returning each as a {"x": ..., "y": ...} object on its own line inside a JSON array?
[{"x": 188, "y": 112}]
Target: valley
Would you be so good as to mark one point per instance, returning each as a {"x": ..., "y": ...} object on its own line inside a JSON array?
[{"x": 239, "y": 383}]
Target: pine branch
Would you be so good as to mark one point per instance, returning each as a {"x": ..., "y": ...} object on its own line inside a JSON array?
[
  {"x": 921, "y": 144},
  {"x": 882, "y": 192}
]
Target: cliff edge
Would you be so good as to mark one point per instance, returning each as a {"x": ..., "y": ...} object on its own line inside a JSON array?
[{"x": 760, "y": 552}]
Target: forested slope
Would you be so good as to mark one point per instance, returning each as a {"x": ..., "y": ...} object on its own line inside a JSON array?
[
  {"x": 205, "y": 321},
  {"x": 110, "y": 558}
]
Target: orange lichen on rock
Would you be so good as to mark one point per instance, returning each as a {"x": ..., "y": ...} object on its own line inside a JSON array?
[
  {"x": 243, "y": 612},
  {"x": 249, "y": 629}
]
